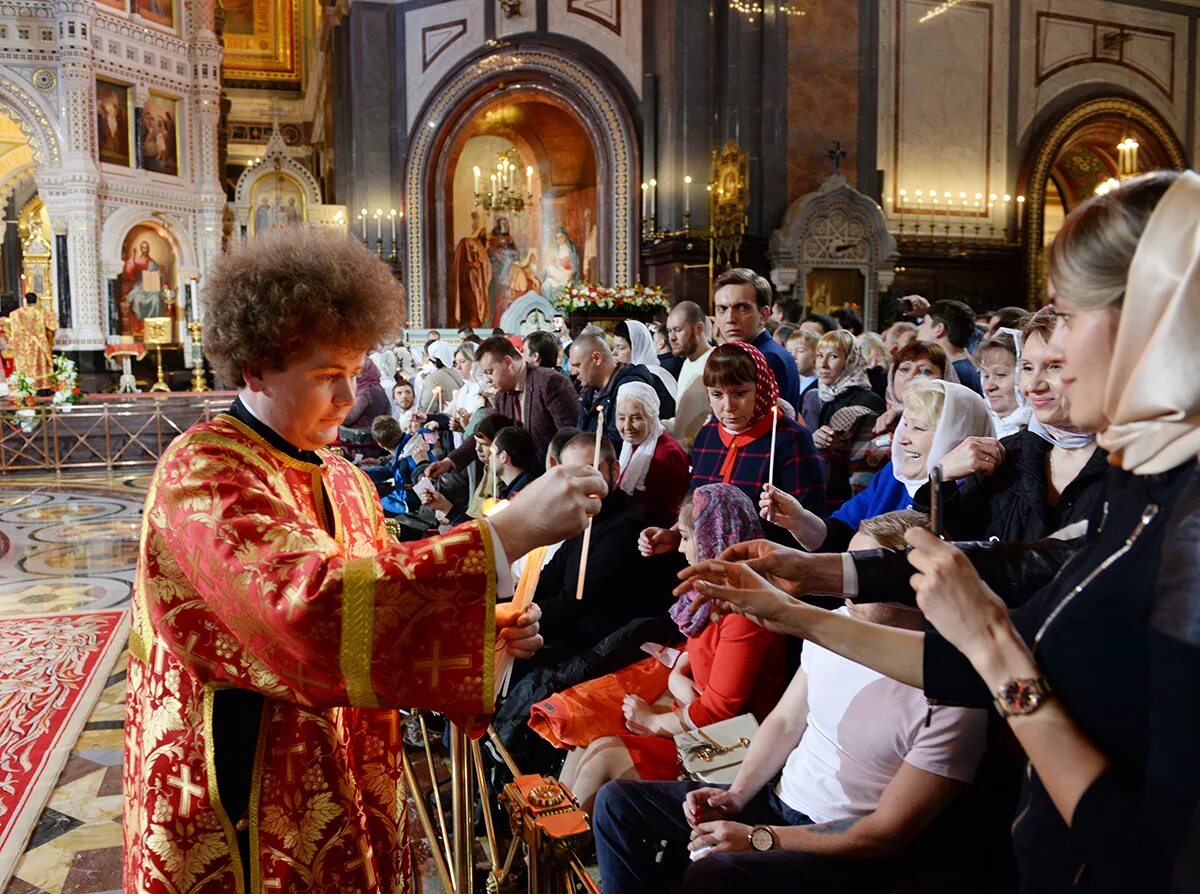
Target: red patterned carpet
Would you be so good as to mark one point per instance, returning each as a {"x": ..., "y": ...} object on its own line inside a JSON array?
[{"x": 52, "y": 670}]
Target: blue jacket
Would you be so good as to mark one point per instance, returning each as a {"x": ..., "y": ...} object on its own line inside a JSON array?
[{"x": 883, "y": 494}]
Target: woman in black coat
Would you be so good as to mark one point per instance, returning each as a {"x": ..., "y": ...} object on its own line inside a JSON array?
[
  {"x": 1033, "y": 483},
  {"x": 1098, "y": 674}
]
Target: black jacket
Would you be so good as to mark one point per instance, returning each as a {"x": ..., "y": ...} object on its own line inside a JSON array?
[
  {"x": 1013, "y": 502},
  {"x": 1117, "y": 632},
  {"x": 591, "y": 398}
]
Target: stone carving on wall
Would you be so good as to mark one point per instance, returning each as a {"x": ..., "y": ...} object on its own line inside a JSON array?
[
  {"x": 436, "y": 39},
  {"x": 830, "y": 239}
]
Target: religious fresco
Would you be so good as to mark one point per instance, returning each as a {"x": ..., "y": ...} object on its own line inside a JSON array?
[
  {"x": 147, "y": 280},
  {"x": 113, "y": 123},
  {"x": 113, "y": 4},
  {"x": 276, "y": 202},
  {"x": 160, "y": 135},
  {"x": 262, "y": 42},
  {"x": 500, "y": 254},
  {"x": 160, "y": 12}
]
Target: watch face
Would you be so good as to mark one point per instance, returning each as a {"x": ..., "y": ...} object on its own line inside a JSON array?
[
  {"x": 761, "y": 839},
  {"x": 1022, "y": 696}
]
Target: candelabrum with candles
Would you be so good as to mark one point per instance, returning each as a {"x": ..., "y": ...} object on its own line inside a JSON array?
[
  {"x": 502, "y": 190},
  {"x": 958, "y": 223}
]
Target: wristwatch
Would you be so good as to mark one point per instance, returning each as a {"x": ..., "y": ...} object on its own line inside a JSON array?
[
  {"x": 1021, "y": 695},
  {"x": 763, "y": 838}
]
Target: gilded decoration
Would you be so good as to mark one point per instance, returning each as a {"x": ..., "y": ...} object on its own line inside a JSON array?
[
  {"x": 615, "y": 151},
  {"x": 262, "y": 43},
  {"x": 730, "y": 200}
]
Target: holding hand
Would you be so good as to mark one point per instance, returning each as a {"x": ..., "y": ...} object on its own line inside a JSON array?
[
  {"x": 639, "y": 716},
  {"x": 735, "y": 587},
  {"x": 519, "y": 630},
  {"x": 556, "y": 506},
  {"x": 435, "y": 500},
  {"x": 436, "y": 470},
  {"x": 886, "y": 421},
  {"x": 708, "y": 804},
  {"x": 782, "y": 566},
  {"x": 975, "y": 454},
  {"x": 653, "y": 541},
  {"x": 725, "y": 836},
  {"x": 954, "y": 598},
  {"x": 823, "y": 437}
]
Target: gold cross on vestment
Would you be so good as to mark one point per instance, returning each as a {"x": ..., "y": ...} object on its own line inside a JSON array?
[
  {"x": 187, "y": 789},
  {"x": 438, "y": 545},
  {"x": 288, "y": 752},
  {"x": 436, "y": 662},
  {"x": 365, "y": 862}
]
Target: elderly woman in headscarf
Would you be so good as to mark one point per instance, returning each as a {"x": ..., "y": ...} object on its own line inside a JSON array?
[
  {"x": 999, "y": 377},
  {"x": 439, "y": 379},
  {"x": 735, "y": 446},
  {"x": 1097, "y": 671},
  {"x": 654, "y": 468},
  {"x": 843, "y": 409},
  {"x": 633, "y": 343},
  {"x": 938, "y": 416},
  {"x": 724, "y": 669}
]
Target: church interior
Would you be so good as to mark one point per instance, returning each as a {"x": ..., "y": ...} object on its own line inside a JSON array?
[{"x": 519, "y": 166}]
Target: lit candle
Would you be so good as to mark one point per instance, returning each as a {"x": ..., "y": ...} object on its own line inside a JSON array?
[
  {"x": 645, "y": 201},
  {"x": 363, "y": 217},
  {"x": 476, "y": 174},
  {"x": 653, "y": 197},
  {"x": 687, "y": 194},
  {"x": 529, "y": 179},
  {"x": 587, "y": 532},
  {"x": 392, "y": 215},
  {"x": 379, "y": 223},
  {"x": 1020, "y": 210}
]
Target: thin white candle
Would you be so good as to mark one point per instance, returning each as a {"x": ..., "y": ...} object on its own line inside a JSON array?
[
  {"x": 687, "y": 194},
  {"x": 363, "y": 217},
  {"x": 475, "y": 172},
  {"x": 392, "y": 215},
  {"x": 587, "y": 532},
  {"x": 774, "y": 427},
  {"x": 379, "y": 223}
]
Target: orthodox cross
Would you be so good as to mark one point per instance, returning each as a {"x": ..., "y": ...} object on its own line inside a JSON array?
[
  {"x": 836, "y": 153},
  {"x": 436, "y": 663},
  {"x": 187, "y": 789}
]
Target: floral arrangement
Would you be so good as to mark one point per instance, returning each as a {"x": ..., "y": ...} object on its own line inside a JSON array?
[
  {"x": 21, "y": 391},
  {"x": 590, "y": 296},
  {"x": 66, "y": 374}
]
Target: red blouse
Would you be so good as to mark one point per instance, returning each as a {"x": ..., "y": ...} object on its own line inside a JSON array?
[{"x": 666, "y": 482}]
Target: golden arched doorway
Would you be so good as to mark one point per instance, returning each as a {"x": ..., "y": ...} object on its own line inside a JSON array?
[
  {"x": 519, "y": 187},
  {"x": 1077, "y": 154}
]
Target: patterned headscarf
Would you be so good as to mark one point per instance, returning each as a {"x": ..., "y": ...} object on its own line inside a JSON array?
[
  {"x": 766, "y": 389},
  {"x": 854, "y": 375},
  {"x": 721, "y": 516}
]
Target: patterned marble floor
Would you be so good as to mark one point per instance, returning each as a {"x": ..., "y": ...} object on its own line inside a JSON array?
[{"x": 70, "y": 543}]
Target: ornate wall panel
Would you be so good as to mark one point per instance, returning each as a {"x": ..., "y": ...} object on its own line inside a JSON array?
[
  {"x": 943, "y": 88},
  {"x": 262, "y": 43},
  {"x": 437, "y": 39},
  {"x": 1069, "y": 43},
  {"x": 612, "y": 27}
]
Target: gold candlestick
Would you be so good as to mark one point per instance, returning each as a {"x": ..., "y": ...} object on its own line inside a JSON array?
[
  {"x": 157, "y": 332},
  {"x": 198, "y": 381}
]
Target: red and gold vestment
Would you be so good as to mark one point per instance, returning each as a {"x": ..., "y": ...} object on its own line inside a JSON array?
[
  {"x": 30, "y": 332},
  {"x": 265, "y": 574}
]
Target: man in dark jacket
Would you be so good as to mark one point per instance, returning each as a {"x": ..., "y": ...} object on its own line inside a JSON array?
[{"x": 593, "y": 364}]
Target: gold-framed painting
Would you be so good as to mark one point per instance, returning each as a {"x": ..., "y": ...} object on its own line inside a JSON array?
[
  {"x": 159, "y": 12},
  {"x": 276, "y": 203},
  {"x": 118, "y": 5},
  {"x": 160, "y": 134},
  {"x": 262, "y": 43},
  {"x": 114, "y": 123}
]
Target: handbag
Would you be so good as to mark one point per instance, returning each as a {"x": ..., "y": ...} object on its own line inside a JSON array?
[{"x": 713, "y": 753}]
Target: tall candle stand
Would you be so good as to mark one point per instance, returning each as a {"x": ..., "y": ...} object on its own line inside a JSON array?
[
  {"x": 157, "y": 332},
  {"x": 195, "y": 329}
]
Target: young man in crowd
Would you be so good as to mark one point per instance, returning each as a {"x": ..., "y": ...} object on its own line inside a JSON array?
[
  {"x": 951, "y": 324},
  {"x": 685, "y": 332},
  {"x": 742, "y": 300}
]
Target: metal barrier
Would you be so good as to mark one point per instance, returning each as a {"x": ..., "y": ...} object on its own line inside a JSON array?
[{"x": 102, "y": 435}]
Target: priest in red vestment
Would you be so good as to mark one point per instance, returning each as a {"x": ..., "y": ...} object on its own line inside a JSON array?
[{"x": 277, "y": 627}]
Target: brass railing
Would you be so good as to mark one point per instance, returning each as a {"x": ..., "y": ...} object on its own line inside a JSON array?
[{"x": 102, "y": 435}]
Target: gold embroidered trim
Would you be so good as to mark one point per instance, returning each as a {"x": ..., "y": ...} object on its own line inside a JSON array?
[
  {"x": 259, "y": 439},
  {"x": 489, "y": 620},
  {"x": 255, "y": 797},
  {"x": 358, "y": 631},
  {"x": 214, "y": 795}
]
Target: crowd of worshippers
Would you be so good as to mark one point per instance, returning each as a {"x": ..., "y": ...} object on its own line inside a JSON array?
[{"x": 758, "y": 424}]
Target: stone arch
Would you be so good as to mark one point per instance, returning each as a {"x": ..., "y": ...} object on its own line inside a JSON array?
[
  {"x": 118, "y": 225},
  {"x": 34, "y": 119},
  {"x": 1057, "y": 130},
  {"x": 603, "y": 111}
]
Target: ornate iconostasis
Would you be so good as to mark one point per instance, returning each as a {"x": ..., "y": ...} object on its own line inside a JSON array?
[{"x": 521, "y": 195}]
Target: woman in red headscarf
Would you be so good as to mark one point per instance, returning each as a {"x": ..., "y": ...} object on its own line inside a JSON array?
[{"x": 734, "y": 446}]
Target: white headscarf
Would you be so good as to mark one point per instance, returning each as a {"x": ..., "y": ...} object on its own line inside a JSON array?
[
  {"x": 641, "y": 350},
  {"x": 1152, "y": 398},
  {"x": 964, "y": 414},
  {"x": 1018, "y": 418},
  {"x": 1065, "y": 437},
  {"x": 635, "y": 461},
  {"x": 442, "y": 351}
]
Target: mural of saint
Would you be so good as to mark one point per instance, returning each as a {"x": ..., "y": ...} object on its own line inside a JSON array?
[
  {"x": 143, "y": 278},
  {"x": 562, "y": 268},
  {"x": 522, "y": 276},
  {"x": 472, "y": 275},
  {"x": 264, "y": 215},
  {"x": 158, "y": 136},
  {"x": 503, "y": 252},
  {"x": 112, "y": 123}
]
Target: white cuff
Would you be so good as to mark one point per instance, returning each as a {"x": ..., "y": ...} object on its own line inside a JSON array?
[
  {"x": 504, "y": 580},
  {"x": 849, "y": 576}
]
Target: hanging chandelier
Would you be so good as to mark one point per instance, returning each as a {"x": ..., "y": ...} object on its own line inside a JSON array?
[{"x": 502, "y": 193}]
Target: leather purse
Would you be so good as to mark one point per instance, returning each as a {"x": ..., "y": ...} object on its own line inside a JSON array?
[{"x": 713, "y": 753}]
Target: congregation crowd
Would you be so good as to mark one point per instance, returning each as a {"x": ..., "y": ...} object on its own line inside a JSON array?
[{"x": 776, "y": 454}]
